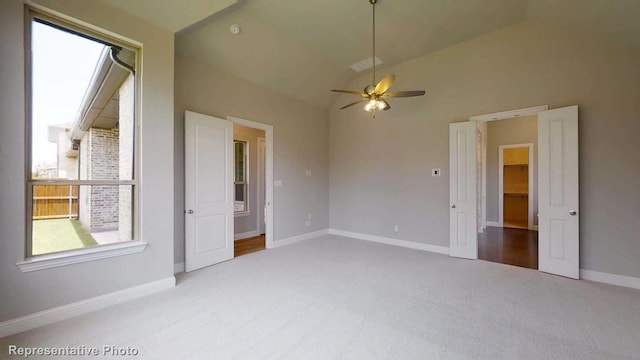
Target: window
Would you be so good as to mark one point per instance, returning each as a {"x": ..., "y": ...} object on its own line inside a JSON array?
[
  {"x": 82, "y": 186},
  {"x": 240, "y": 180}
]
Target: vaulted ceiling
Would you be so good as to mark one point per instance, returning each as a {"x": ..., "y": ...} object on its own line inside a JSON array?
[{"x": 304, "y": 48}]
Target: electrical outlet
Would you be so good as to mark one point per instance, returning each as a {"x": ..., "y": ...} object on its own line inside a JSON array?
[
  {"x": 307, "y": 173},
  {"x": 435, "y": 172}
]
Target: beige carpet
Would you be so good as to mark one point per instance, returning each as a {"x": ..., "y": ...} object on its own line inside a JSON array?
[{"x": 340, "y": 298}]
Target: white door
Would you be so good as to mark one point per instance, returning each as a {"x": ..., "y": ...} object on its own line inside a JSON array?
[
  {"x": 462, "y": 190},
  {"x": 558, "y": 237},
  {"x": 208, "y": 190},
  {"x": 262, "y": 214}
]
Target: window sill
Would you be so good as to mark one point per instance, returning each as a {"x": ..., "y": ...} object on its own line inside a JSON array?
[
  {"x": 47, "y": 261},
  {"x": 241, "y": 213}
]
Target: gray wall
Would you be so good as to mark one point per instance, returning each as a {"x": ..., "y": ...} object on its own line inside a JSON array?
[
  {"x": 243, "y": 224},
  {"x": 301, "y": 134},
  {"x": 27, "y": 293},
  {"x": 380, "y": 167},
  {"x": 507, "y": 132}
]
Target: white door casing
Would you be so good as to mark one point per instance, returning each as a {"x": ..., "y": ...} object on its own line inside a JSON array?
[
  {"x": 462, "y": 190},
  {"x": 208, "y": 190},
  {"x": 558, "y": 197},
  {"x": 262, "y": 213},
  {"x": 268, "y": 174}
]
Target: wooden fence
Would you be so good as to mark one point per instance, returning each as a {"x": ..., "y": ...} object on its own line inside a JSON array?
[{"x": 55, "y": 202}]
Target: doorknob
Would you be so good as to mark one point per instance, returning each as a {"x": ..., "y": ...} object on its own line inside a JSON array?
[
  {"x": 190, "y": 211},
  {"x": 573, "y": 212},
  {"x": 453, "y": 206}
]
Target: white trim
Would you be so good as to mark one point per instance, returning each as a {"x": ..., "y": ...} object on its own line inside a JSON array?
[
  {"x": 268, "y": 131},
  {"x": 247, "y": 176},
  {"x": 395, "y": 242},
  {"x": 510, "y": 114},
  {"x": 501, "y": 183},
  {"x": 40, "y": 262},
  {"x": 301, "y": 237},
  {"x": 493, "y": 224},
  {"x": 178, "y": 268},
  {"x": 613, "y": 279},
  {"x": 535, "y": 228},
  {"x": 246, "y": 235},
  {"x": 68, "y": 311},
  {"x": 261, "y": 152}
]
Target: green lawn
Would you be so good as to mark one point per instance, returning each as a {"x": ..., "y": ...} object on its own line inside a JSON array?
[{"x": 58, "y": 235}]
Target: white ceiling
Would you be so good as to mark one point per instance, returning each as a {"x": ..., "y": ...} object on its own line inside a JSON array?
[
  {"x": 303, "y": 49},
  {"x": 173, "y": 15}
]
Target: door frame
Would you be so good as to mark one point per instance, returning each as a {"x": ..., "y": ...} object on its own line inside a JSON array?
[
  {"x": 536, "y": 110},
  {"x": 268, "y": 178},
  {"x": 501, "y": 183},
  {"x": 261, "y": 182},
  {"x": 503, "y": 115}
]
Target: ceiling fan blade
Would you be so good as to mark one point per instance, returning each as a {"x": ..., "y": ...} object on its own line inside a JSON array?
[
  {"x": 384, "y": 84},
  {"x": 354, "y": 103},
  {"x": 351, "y": 92},
  {"x": 386, "y": 104},
  {"x": 405, "y": 93}
]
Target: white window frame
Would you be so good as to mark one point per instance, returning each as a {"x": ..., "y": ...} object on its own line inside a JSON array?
[
  {"x": 73, "y": 256},
  {"x": 246, "y": 211}
]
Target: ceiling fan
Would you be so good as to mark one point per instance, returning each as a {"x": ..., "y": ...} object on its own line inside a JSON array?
[{"x": 375, "y": 95}]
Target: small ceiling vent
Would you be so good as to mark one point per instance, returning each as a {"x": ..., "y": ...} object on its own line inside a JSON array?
[{"x": 365, "y": 64}]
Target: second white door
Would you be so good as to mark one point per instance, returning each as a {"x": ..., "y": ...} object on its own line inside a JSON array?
[
  {"x": 463, "y": 237},
  {"x": 558, "y": 236},
  {"x": 208, "y": 190}
]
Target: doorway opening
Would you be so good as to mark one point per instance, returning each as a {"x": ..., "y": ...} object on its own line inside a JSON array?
[
  {"x": 249, "y": 146},
  {"x": 507, "y": 196},
  {"x": 557, "y": 184}
]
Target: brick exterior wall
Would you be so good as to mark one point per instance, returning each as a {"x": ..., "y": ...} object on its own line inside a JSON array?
[
  {"x": 107, "y": 154},
  {"x": 99, "y": 161}
]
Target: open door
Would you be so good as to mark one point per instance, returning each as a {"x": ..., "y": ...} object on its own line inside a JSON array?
[
  {"x": 558, "y": 192},
  {"x": 463, "y": 235},
  {"x": 208, "y": 190}
]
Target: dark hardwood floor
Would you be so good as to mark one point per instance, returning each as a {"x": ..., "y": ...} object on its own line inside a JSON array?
[
  {"x": 517, "y": 247},
  {"x": 247, "y": 246}
]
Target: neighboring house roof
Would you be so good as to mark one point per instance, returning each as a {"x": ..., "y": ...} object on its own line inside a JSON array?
[
  {"x": 54, "y": 130},
  {"x": 99, "y": 107}
]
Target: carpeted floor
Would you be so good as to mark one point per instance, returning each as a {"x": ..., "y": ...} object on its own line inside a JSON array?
[{"x": 340, "y": 298}]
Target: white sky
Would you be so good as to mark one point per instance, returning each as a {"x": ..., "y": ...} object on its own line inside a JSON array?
[{"x": 62, "y": 67}]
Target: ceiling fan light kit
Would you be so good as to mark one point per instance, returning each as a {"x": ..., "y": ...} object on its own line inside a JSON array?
[{"x": 373, "y": 94}]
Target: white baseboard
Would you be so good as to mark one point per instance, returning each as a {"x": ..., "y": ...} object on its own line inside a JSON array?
[
  {"x": 301, "y": 237},
  {"x": 389, "y": 241},
  {"x": 493, "y": 224},
  {"x": 613, "y": 279},
  {"x": 68, "y": 311},
  {"x": 246, "y": 235},
  {"x": 178, "y": 268}
]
